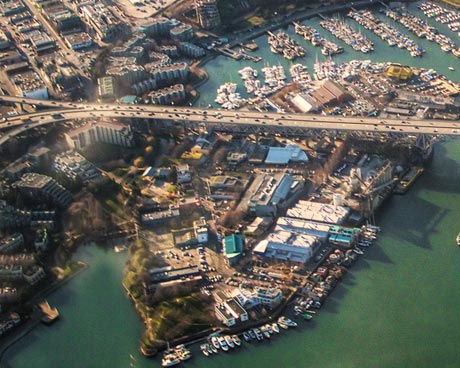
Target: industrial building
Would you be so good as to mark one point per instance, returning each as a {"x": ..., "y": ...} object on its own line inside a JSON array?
[
  {"x": 320, "y": 212},
  {"x": 285, "y": 155}
]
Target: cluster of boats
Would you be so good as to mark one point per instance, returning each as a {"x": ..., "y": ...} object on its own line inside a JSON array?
[
  {"x": 343, "y": 31},
  {"x": 311, "y": 35},
  {"x": 175, "y": 356},
  {"x": 386, "y": 32},
  {"x": 228, "y": 97},
  {"x": 299, "y": 74},
  {"x": 281, "y": 43},
  {"x": 274, "y": 80},
  {"x": 441, "y": 15},
  {"x": 226, "y": 343},
  {"x": 368, "y": 235},
  {"x": 325, "y": 70},
  {"x": 423, "y": 30}
]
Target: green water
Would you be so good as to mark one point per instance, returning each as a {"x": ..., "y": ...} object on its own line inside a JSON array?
[{"x": 397, "y": 307}]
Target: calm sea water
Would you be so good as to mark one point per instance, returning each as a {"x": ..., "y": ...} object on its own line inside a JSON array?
[{"x": 397, "y": 307}]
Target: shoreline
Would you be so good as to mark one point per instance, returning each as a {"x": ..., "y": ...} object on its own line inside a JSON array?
[{"x": 35, "y": 320}]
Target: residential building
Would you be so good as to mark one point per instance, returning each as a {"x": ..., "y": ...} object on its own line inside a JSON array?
[
  {"x": 42, "y": 187},
  {"x": 160, "y": 217},
  {"x": 166, "y": 96},
  {"x": 182, "y": 32},
  {"x": 207, "y": 13},
  {"x": 176, "y": 72},
  {"x": 8, "y": 294},
  {"x": 191, "y": 50},
  {"x": 11, "y": 243},
  {"x": 106, "y": 88},
  {"x": 156, "y": 27},
  {"x": 106, "y": 132},
  {"x": 34, "y": 274},
  {"x": 74, "y": 167},
  {"x": 78, "y": 40}
]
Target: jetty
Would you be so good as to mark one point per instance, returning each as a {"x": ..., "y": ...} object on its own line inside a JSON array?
[{"x": 50, "y": 314}]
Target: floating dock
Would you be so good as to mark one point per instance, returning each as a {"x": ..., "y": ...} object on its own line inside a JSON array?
[{"x": 408, "y": 179}]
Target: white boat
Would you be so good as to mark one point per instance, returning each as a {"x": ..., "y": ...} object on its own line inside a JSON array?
[
  {"x": 275, "y": 328},
  {"x": 265, "y": 332},
  {"x": 204, "y": 349},
  {"x": 457, "y": 239},
  {"x": 451, "y": 68},
  {"x": 358, "y": 251},
  {"x": 236, "y": 340},
  {"x": 223, "y": 343},
  {"x": 287, "y": 321},
  {"x": 170, "y": 360},
  {"x": 215, "y": 342},
  {"x": 229, "y": 341},
  {"x": 258, "y": 334},
  {"x": 246, "y": 336}
]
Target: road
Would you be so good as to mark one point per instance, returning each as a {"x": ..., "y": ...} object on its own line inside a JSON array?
[{"x": 222, "y": 120}]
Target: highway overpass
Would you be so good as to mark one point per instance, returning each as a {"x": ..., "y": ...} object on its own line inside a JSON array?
[{"x": 223, "y": 120}]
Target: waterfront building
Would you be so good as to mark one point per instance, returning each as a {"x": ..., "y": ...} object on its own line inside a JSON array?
[
  {"x": 74, "y": 167},
  {"x": 330, "y": 93},
  {"x": 250, "y": 298},
  {"x": 282, "y": 245},
  {"x": 106, "y": 132},
  {"x": 34, "y": 274},
  {"x": 400, "y": 72},
  {"x": 106, "y": 88},
  {"x": 200, "y": 228},
  {"x": 229, "y": 310},
  {"x": 268, "y": 193},
  {"x": 321, "y": 212},
  {"x": 233, "y": 248},
  {"x": 182, "y": 32},
  {"x": 284, "y": 155},
  {"x": 207, "y": 13},
  {"x": 11, "y": 243},
  {"x": 42, "y": 187},
  {"x": 166, "y": 96}
]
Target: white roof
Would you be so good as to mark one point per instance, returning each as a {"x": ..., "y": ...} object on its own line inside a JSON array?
[{"x": 282, "y": 155}]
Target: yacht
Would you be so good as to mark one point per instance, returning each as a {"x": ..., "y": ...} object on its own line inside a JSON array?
[{"x": 170, "y": 360}]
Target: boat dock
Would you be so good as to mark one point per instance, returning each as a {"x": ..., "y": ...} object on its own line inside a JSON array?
[
  {"x": 238, "y": 55},
  {"x": 50, "y": 314}
]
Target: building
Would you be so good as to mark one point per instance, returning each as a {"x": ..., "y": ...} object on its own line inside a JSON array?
[
  {"x": 182, "y": 32},
  {"x": 34, "y": 274},
  {"x": 41, "y": 240},
  {"x": 184, "y": 175},
  {"x": 282, "y": 245},
  {"x": 191, "y": 50},
  {"x": 207, "y": 13},
  {"x": 8, "y": 294},
  {"x": 201, "y": 230},
  {"x": 249, "y": 298},
  {"x": 29, "y": 84},
  {"x": 164, "y": 274},
  {"x": 42, "y": 187},
  {"x": 158, "y": 26},
  {"x": 106, "y": 88},
  {"x": 160, "y": 217},
  {"x": 230, "y": 311},
  {"x": 320, "y": 212},
  {"x": 75, "y": 168},
  {"x": 233, "y": 248},
  {"x": 268, "y": 192},
  {"x": 78, "y": 40},
  {"x": 400, "y": 72},
  {"x": 168, "y": 95},
  {"x": 329, "y": 94},
  {"x": 111, "y": 133},
  {"x": 11, "y": 244},
  {"x": 8, "y": 322},
  {"x": 176, "y": 72},
  {"x": 284, "y": 155}
]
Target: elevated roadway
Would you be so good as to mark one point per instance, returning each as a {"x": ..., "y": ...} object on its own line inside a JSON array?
[{"x": 224, "y": 120}]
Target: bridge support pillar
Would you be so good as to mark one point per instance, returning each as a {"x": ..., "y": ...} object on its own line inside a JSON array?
[{"x": 424, "y": 146}]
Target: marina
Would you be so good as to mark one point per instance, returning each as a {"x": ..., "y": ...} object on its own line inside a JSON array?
[
  {"x": 311, "y": 35},
  {"x": 343, "y": 31}
]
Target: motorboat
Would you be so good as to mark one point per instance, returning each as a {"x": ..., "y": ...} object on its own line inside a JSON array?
[
  {"x": 236, "y": 340},
  {"x": 457, "y": 239},
  {"x": 307, "y": 316},
  {"x": 215, "y": 342},
  {"x": 246, "y": 336},
  {"x": 288, "y": 322},
  {"x": 358, "y": 251},
  {"x": 229, "y": 341},
  {"x": 204, "y": 349},
  {"x": 259, "y": 335},
  {"x": 252, "y": 334},
  {"x": 265, "y": 332},
  {"x": 275, "y": 328},
  {"x": 223, "y": 343},
  {"x": 169, "y": 360}
]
